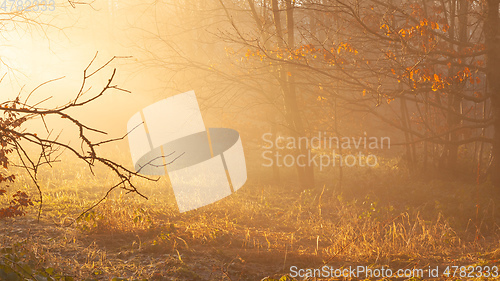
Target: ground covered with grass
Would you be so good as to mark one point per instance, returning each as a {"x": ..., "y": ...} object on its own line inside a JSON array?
[{"x": 381, "y": 218}]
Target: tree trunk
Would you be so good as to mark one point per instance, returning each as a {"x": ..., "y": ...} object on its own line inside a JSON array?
[
  {"x": 405, "y": 122},
  {"x": 306, "y": 173},
  {"x": 287, "y": 83},
  {"x": 492, "y": 42}
]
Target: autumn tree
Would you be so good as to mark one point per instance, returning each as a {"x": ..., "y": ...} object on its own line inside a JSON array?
[
  {"x": 437, "y": 52},
  {"x": 425, "y": 57},
  {"x": 421, "y": 71}
]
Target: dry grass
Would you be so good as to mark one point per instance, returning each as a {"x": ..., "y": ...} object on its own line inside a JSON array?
[{"x": 259, "y": 231}]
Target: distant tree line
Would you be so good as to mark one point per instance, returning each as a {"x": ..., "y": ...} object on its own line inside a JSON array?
[{"x": 425, "y": 70}]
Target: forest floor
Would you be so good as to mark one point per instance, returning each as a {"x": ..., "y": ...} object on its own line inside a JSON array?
[{"x": 381, "y": 219}]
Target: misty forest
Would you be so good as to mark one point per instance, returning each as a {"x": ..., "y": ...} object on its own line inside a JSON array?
[{"x": 249, "y": 140}]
